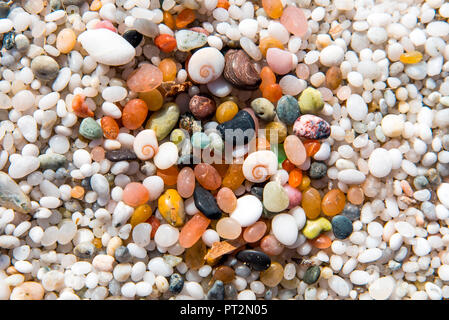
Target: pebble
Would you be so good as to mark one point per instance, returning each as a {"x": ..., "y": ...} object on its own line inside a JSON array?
[
  {"x": 443, "y": 194},
  {"x": 164, "y": 120},
  {"x": 339, "y": 285},
  {"x": 380, "y": 163},
  {"x": 275, "y": 197},
  {"x": 310, "y": 101},
  {"x": 202, "y": 107},
  {"x": 217, "y": 291},
  {"x": 317, "y": 170},
  {"x": 331, "y": 55},
  {"x": 45, "y": 67},
  {"x": 341, "y": 227},
  {"x": 312, "y": 274},
  {"x": 133, "y": 37},
  {"x": 176, "y": 283},
  {"x": 12, "y": 196},
  {"x": 311, "y": 127},
  {"x": 206, "y": 203},
  {"x": 357, "y": 108},
  {"x": 263, "y": 108},
  {"x": 120, "y": 155},
  {"x": 23, "y": 167},
  {"x": 107, "y": 47},
  {"x": 230, "y": 129},
  {"x": 240, "y": 71},
  {"x": 187, "y": 40},
  {"x": 287, "y": 109},
  {"x": 284, "y": 229},
  {"x": 351, "y": 176},
  {"x": 382, "y": 288},
  {"x": 248, "y": 210},
  {"x": 90, "y": 129},
  {"x": 351, "y": 212},
  {"x": 257, "y": 260}
]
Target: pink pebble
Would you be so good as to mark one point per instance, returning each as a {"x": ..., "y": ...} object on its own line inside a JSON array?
[
  {"x": 105, "y": 24},
  {"x": 280, "y": 61},
  {"x": 294, "y": 196},
  {"x": 294, "y": 21}
]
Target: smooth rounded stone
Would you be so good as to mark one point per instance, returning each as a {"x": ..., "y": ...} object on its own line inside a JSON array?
[
  {"x": 351, "y": 176},
  {"x": 217, "y": 291},
  {"x": 341, "y": 227},
  {"x": 28, "y": 290},
  {"x": 120, "y": 155},
  {"x": 351, "y": 212},
  {"x": 380, "y": 163},
  {"x": 312, "y": 274},
  {"x": 310, "y": 101},
  {"x": 202, "y": 107},
  {"x": 239, "y": 130},
  {"x": 171, "y": 207},
  {"x": 339, "y": 286},
  {"x": 369, "y": 255},
  {"x": 240, "y": 71},
  {"x": 187, "y": 40},
  {"x": 420, "y": 182},
  {"x": 295, "y": 150},
  {"x": 260, "y": 165},
  {"x": 176, "y": 283},
  {"x": 317, "y": 170},
  {"x": 248, "y": 210},
  {"x": 311, "y": 127},
  {"x": 294, "y": 20},
  {"x": 52, "y": 161},
  {"x": 220, "y": 87},
  {"x": 275, "y": 198},
  {"x": 22, "y": 43},
  {"x": 100, "y": 185},
  {"x": 145, "y": 78},
  {"x": 133, "y": 37},
  {"x": 357, "y": 108},
  {"x": 23, "y": 167},
  {"x": 287, "y": 109},
  {"x": 264, "y": 109},
  {"x": 417, "y": 71},
  {"x": 122, "y": 254},
  {"x": 285, "y": 229},
  {"x": 280, "y": 61},
  {"x": 146, "y": 27},
  {"x": 28, "y": 127},
  {"x": 443, "y": 194},
  {"x": 8, "y": 40},
  {"x": 166, "y": 235},
  {"x": 164, "y": 120},
  {"x": 382, "y": 288},
  {"x": 392, "y": 125},
  {"x": 332, "y": 55},
  {"x": 257, "y": 260},
  {"x": 12, "y": 196},
  {"x": 84, "y": 250},
  {"x": 206, "y": 203},
  {"x": 422, "y": 247},
  {"x": 90, "y": 129},
  {"x": 107, "y": 47},
  {"x": 206, "y": 65},
  {"x": 45, "y": 67}
]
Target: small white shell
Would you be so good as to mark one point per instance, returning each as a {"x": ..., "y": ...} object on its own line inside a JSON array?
[
  {"x": 145, "y": 144},
  {"x": 259, "y": 165},
  {"x": 206, "y": 65}
]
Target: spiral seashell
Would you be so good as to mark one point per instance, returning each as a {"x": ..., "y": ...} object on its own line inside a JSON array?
[
  {"x": 145, "y": 144},
  {"x": 260, "y": 165},
  {"x": 206, "y": 65}
]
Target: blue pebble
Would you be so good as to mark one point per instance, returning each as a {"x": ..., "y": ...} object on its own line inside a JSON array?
[
  {"x": 341, "y": 227},
  {"x": 287, "y": 109},
  {"x": 176, "y": 283}
]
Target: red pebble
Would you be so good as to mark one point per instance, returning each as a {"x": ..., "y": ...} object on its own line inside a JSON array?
[{"x": 165, "y": 42}]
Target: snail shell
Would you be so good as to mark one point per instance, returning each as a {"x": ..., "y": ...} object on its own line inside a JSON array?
[
  {"x": 145, "y": 144},
  {"x": 206, "y": 65},
  {"x": 259, "y": 165}
]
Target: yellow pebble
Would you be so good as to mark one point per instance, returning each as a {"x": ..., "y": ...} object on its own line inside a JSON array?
[
  {"x": 141, "y": 214},
  {"x": 411, "y": 57},
  {"x": 226, "y": 111},
  {"x": 97, "y": 243},
  {"x": 96, "y": 5},
  {"x": 66, "y": 40},
  {"x": 305, "y": 183},
  {"x": 153, "y": 99}
]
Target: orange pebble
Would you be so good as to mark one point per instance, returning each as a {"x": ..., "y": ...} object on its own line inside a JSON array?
[
  {"x": 168, "y": 68},
  {"x": 110, "y": 127},
  {"x": 192, "y": 231},
  {"x": 95, "y": 5},
  {"x": 165, "y": 42},
  {"x": 312, "y": 147},
  {"x": 273, "y": 8},
  {"x": 267, "y": 43},
  {"x": 170, "y": 175},
  {"x": 135, "y": 194},
  {"x": 272, "y": 92},
  {"x": 184, "y": 18},
  {"x": 168, "y": 20},
  {"x": 80, "y": 107},
  {"x": 295, "y": 178},
  {"x": 322, "y": 242},
  {"x": 287, "y": 165},
  {"x": 333, "y": 202},
  {"x": 77, "y": 192},
  {"x": 155, "y": 223},
  {"x": 268, "y": 77},
  {"x": 134, "y": 113},
  {"x": 223, "y": 4},
  {"x": 97, "y": 243}
]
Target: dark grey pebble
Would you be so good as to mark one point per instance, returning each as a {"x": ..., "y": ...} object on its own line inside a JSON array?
[
  {"x": 230, "y": 292},
  {"x": 341, "y": 227},
  {"x": 206, "y": 203},
  {"x": 239, "y": 130},
  {"x": 317, "y": 170},
  {"x": 122, "y": 254},
  {"x": 312, "y": 274},
  {"x": 120, "y": 155},
  {"x": 217, "y": 292},
  {"x": 257, "y": 260},
  {"x": 52, "y": 161},
  {"x": 352, "y": 212},
  {"x": 8, "y": 40},
  {"x": 133, "y": 37},
  {"x": 176, "y": 283}
]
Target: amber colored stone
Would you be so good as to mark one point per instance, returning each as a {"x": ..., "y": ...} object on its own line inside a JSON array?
[
  {"x": 311, "y": 203},
  {"x": 273, "y": 275},
  {"x": 207, "y": 176},
  {"x": 275, "y": 132},
  {"x": 155, "y": 223},
  {"x": 228, "y": 228},
  {"x": 194, "y": 256},
  {"x": 110, "y": 127},
  {"x": 171, "y": 207},
  {"x": 224, "y": 273},
  {"x": 322, "y": 242},
  {"x": 333, "y": 202},
  {"x": 226, "y": 200},
  {"x": 226, "y": 111},
  {"x": 267, "y": 43},
  {"x": 145, "y": 78},
  {"x": 272, "y": 92},
  {"x": 193, "y": 230},
  {"x": 333, "y": 77},
  {"x": 168, "y": 20},
  {"x": 77, "y": 192},
  {"x": 134, "y": 113},
  {"x": 268, "y": 77},
  {"x": 287, "y": 165},
  {"x": 305, "y": 183},
  {"x": 168, "y": 68},
  {"x": 271, "y": 246},
  {"x": 95, "y": 5},
  {"x": 170, "y": 175},
  {"x": 141, "y": 214},
  {"x": 295, "y": 178},
  {"x": 165, "y": 42},
  {"x": 153, "y": 99},
  {"x": 223, "y": 4},
  {"x": 223, "y": 247},
  {"x": 234, "y": 176},
  {"x": 135, "y": 194},
  {"x": 186, "y": 182},
  {"x": 80, "y": 108},
  {"x": 97, "y": 243},
  {"x": 184, "y": 18},
  {"x": 411, "y": 57},
  {"x": 255, "y": 232},
  {"x": 312, "y": 147},
  {"x": 355, "y": 195}
]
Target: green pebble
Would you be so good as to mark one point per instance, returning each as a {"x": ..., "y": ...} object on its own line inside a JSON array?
[
  {"x": 90, "y": 129},
  {"x": 52, "y": 161},
  {"x": 312, "y": 274},
  {"x": 177, "y": 136},
  {"x": 275, "y": 198},
  {"x": 313, "y": 228},
  {"x": 164, "y": 120},
  {"x": 311, "y": 101},
  {"x": 200, "y": 140}
]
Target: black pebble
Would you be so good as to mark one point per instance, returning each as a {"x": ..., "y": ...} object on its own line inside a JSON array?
[
  {"x": 240, "y": 129},
  {"x": 258, "y": 192},
  {"x": 317, "y": 170},
  {"x": 8, "y": 40},
  {"x": 133, "y": 37},
  {"x": 120, "y": 155},
  {"x": 176, "y": 283},
  {"x": 217, "y": 292},
  {"x": 206, "y": 203},
  {"x": 341, "y": 227},
  {"x": 257, "y": 260},
  {"x": 85, "y": 183}
]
